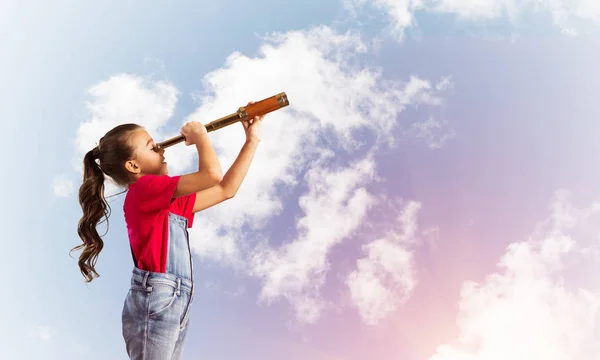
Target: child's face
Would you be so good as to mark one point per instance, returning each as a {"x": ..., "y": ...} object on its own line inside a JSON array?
[{"x": 147, "y": 159}]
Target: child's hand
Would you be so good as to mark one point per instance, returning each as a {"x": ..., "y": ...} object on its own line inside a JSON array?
[
  {"x": 193, "y": 132},
  {"x": 252, "y": 127}
]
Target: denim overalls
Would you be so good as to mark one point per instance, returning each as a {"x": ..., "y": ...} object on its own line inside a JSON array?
[{"x": 156, "y": 309}]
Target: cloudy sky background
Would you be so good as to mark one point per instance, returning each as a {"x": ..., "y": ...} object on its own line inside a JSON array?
[{"x": 431, "y": 192}]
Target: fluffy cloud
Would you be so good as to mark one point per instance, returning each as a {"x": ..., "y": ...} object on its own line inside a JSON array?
[
  {"x": 58, "y": 345},
  {"x": 43, "y": 333},
  {"x": 434, "y": 132},
  {"x": 401, "y": 12},
  {"x": 385, "y": 278},
  {"x": 570, "y": 16},
  {"x": 475, "y": 10},
  {"x": 63, "y": 186},
  {"x": 122, "y": 99},
  {"x": 334, "y": 206},
  {"x": 125, "y": 99},
  {"x": 330, "y": 100},
  {"x": 527, "y": 310}
]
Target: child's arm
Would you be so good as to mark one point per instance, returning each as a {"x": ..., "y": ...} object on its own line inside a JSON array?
[
  {"x": 228, "y": 187},
  {"x": 231, "y": 182},
  {"x": 209, "y": 169}
]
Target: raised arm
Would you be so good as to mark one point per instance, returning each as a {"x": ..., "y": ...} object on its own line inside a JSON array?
[
  {"x": 228, "y": 187},
  {"x": 209, "y": 169}
]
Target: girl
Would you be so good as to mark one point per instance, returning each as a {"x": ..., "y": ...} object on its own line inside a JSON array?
[{"x": 158, "y": 210}]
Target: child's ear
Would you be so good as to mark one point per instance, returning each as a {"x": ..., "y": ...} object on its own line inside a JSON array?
[{"x": 132, "y": 166}]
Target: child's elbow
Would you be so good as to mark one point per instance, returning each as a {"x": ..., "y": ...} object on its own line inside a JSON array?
[
  {"x": 216, "y": 176},
  {"x": 227, "y": 195}
]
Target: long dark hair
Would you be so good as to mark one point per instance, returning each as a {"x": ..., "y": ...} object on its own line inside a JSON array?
[{"x": 113, "y": 150}]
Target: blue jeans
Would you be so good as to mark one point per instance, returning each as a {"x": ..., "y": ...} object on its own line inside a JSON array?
[{"x": 155, "y": 315}]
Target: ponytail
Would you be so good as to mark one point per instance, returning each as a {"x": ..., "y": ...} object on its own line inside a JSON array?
[
  {"x": 117, "y": 149},
  {"x": 95, "y": 207}
]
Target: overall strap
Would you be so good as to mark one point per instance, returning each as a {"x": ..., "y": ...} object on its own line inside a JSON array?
[{"x": 133, "y": 255}]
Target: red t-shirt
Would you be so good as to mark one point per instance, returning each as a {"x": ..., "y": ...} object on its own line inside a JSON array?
[{"x": 147, "y": 205}]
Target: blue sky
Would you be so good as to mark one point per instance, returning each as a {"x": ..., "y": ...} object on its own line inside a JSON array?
[{"x": 408, "y": 164}]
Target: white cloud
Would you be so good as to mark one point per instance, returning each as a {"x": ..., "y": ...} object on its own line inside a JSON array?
[
  {"x": 125, "y": 99},
  {"x": 431, "y": 238},
  {"x": 385, "y": 278},
  {"x": 445, "y": 84},
  {"x": 587, "y": 10},
  {"x": 43, "y": 333},
  {"x": 480, "y": 9},
  {"x": 334, "y": 207},
  {"x": 63, "y": 186},
  {"x": 570, "y": 16},
  {"x": 528, "y": 309},
  {"x": 401, "y": 12},
  {"x": 330, "y": 98},
  {"x": 327, "y": 92},
  {"x": 435, "y": 133},
  {"x": 58, "y": 343},
  {"x": 122, "y": 99}
]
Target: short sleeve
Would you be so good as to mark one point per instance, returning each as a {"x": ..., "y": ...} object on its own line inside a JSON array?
[
  {"x": 184, "y": 206},
  {"x": 154, "y": 193}
]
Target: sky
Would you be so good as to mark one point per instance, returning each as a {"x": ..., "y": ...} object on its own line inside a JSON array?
[{"x": 430, "y": 193}]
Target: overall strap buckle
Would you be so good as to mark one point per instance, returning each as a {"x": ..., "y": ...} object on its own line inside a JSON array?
[{"x": 145, "y": 282}]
